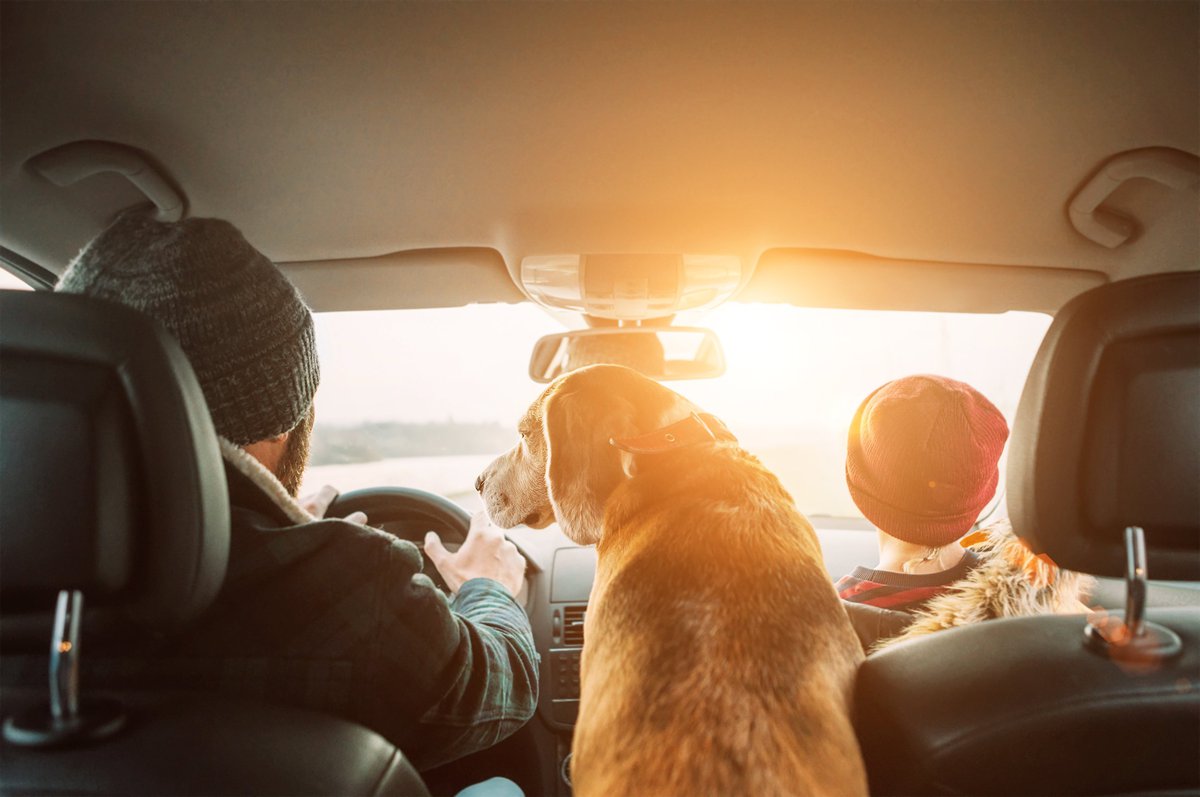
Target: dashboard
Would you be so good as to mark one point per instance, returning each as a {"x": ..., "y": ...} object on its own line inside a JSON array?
[{"x": 559, "y": 582}]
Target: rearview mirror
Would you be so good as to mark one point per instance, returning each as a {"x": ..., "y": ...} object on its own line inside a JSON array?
[{"x": 662, "y": 353}]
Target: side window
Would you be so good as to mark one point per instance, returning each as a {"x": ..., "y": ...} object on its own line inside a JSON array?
[{"x": 11, "y": 282}]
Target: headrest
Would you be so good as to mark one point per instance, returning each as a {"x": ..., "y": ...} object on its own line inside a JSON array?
[
  {"x": 1107, "y": 432},
  {"x": 112, "y": 479}
]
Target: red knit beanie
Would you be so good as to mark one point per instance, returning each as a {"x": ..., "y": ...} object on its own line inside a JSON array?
[{"x": 921, "y": 461}]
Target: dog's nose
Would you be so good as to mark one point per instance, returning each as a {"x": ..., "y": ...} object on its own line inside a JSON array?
[{"x": 479, "y": 483}]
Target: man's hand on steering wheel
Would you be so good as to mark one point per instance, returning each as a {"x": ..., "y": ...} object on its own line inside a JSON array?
[
  {"x": 318, "y": 504},
  {"x": 484, "y": 554}
]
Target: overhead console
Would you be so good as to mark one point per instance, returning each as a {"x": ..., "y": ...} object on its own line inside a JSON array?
[{"x": 631, "y": 286}]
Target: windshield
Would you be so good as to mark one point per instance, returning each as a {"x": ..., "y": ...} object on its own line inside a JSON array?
[{"x": 426, "y": 398}]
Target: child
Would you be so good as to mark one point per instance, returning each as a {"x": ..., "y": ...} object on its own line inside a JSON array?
[{"x": 921, "y": 464}]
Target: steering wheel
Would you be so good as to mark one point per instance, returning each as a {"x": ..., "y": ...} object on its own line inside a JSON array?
[{"x": 408, "y": 514}]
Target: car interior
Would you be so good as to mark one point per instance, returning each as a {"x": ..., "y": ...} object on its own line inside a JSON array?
[{"x": 622, "y": 169}]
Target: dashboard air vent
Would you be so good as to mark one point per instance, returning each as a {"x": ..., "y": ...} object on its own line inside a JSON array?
[{"x": 573, "y": 625}]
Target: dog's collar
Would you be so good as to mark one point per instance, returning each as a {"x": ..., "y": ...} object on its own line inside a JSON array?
[{"x": 696, "y": 429}]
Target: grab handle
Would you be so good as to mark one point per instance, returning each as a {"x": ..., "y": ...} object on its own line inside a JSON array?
[
  {"x": 72, "y": 162},
  {"x": 1171, "y": 167}
]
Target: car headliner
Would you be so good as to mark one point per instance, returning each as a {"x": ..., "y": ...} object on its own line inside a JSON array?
[{"x": 447, "y": 141}]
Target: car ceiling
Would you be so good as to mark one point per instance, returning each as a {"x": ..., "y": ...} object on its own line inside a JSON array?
[{"x": 431, "y": 145}]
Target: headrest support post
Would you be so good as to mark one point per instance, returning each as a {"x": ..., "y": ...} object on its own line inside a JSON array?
[
  {"x": 1135, "y": 579},
  {"x": 64, "y": 657},
  {"x": 1131, "y": 641},
  {"x": 66, "y": 720}
]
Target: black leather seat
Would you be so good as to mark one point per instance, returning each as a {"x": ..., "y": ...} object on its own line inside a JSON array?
[
  {"x": 1107, "y": 436},
  {"x": 113, "y": 487}
]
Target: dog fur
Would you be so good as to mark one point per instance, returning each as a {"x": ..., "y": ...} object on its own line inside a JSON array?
[{"x": 718, "y": 659}]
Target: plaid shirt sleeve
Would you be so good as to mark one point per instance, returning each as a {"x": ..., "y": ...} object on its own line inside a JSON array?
[{"x": 493, "y": 686}]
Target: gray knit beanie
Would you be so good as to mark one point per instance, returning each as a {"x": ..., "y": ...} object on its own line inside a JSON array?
[{"x": 244, "y": 327}]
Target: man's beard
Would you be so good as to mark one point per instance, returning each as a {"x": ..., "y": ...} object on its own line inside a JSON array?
[{"x": 290, "y": 470}]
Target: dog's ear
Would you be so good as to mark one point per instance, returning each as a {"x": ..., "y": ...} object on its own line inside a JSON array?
[{"x": 582, "y": 467}]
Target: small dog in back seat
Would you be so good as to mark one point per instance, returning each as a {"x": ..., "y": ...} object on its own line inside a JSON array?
[{"x": 717, "y": 659}]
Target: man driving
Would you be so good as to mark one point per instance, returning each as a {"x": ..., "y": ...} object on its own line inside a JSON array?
[{"x": 319, "y": 612}]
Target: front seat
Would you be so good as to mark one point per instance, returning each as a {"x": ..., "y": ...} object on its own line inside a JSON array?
[
  {"x": 1105, "y": 452},
  {"x": 114, "y": 524}
]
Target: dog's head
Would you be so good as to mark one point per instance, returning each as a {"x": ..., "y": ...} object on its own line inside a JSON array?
[{"x": 564, "y": 468}]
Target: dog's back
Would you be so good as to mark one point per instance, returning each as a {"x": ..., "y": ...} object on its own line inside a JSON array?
[{"x": 717, "y": 657}]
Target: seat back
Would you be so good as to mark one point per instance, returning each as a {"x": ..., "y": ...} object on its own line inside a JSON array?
[
  {"x": 1105, "y": 438},
  {"x": 114, "y": 490},
  {"x": 190, "y": 744}
]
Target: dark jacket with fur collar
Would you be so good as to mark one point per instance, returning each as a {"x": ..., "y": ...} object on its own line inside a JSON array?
[{"x": 338, "y": 617}]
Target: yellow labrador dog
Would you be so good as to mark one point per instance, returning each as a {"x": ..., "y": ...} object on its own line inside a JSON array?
[{"x": 717, "y": 659}]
